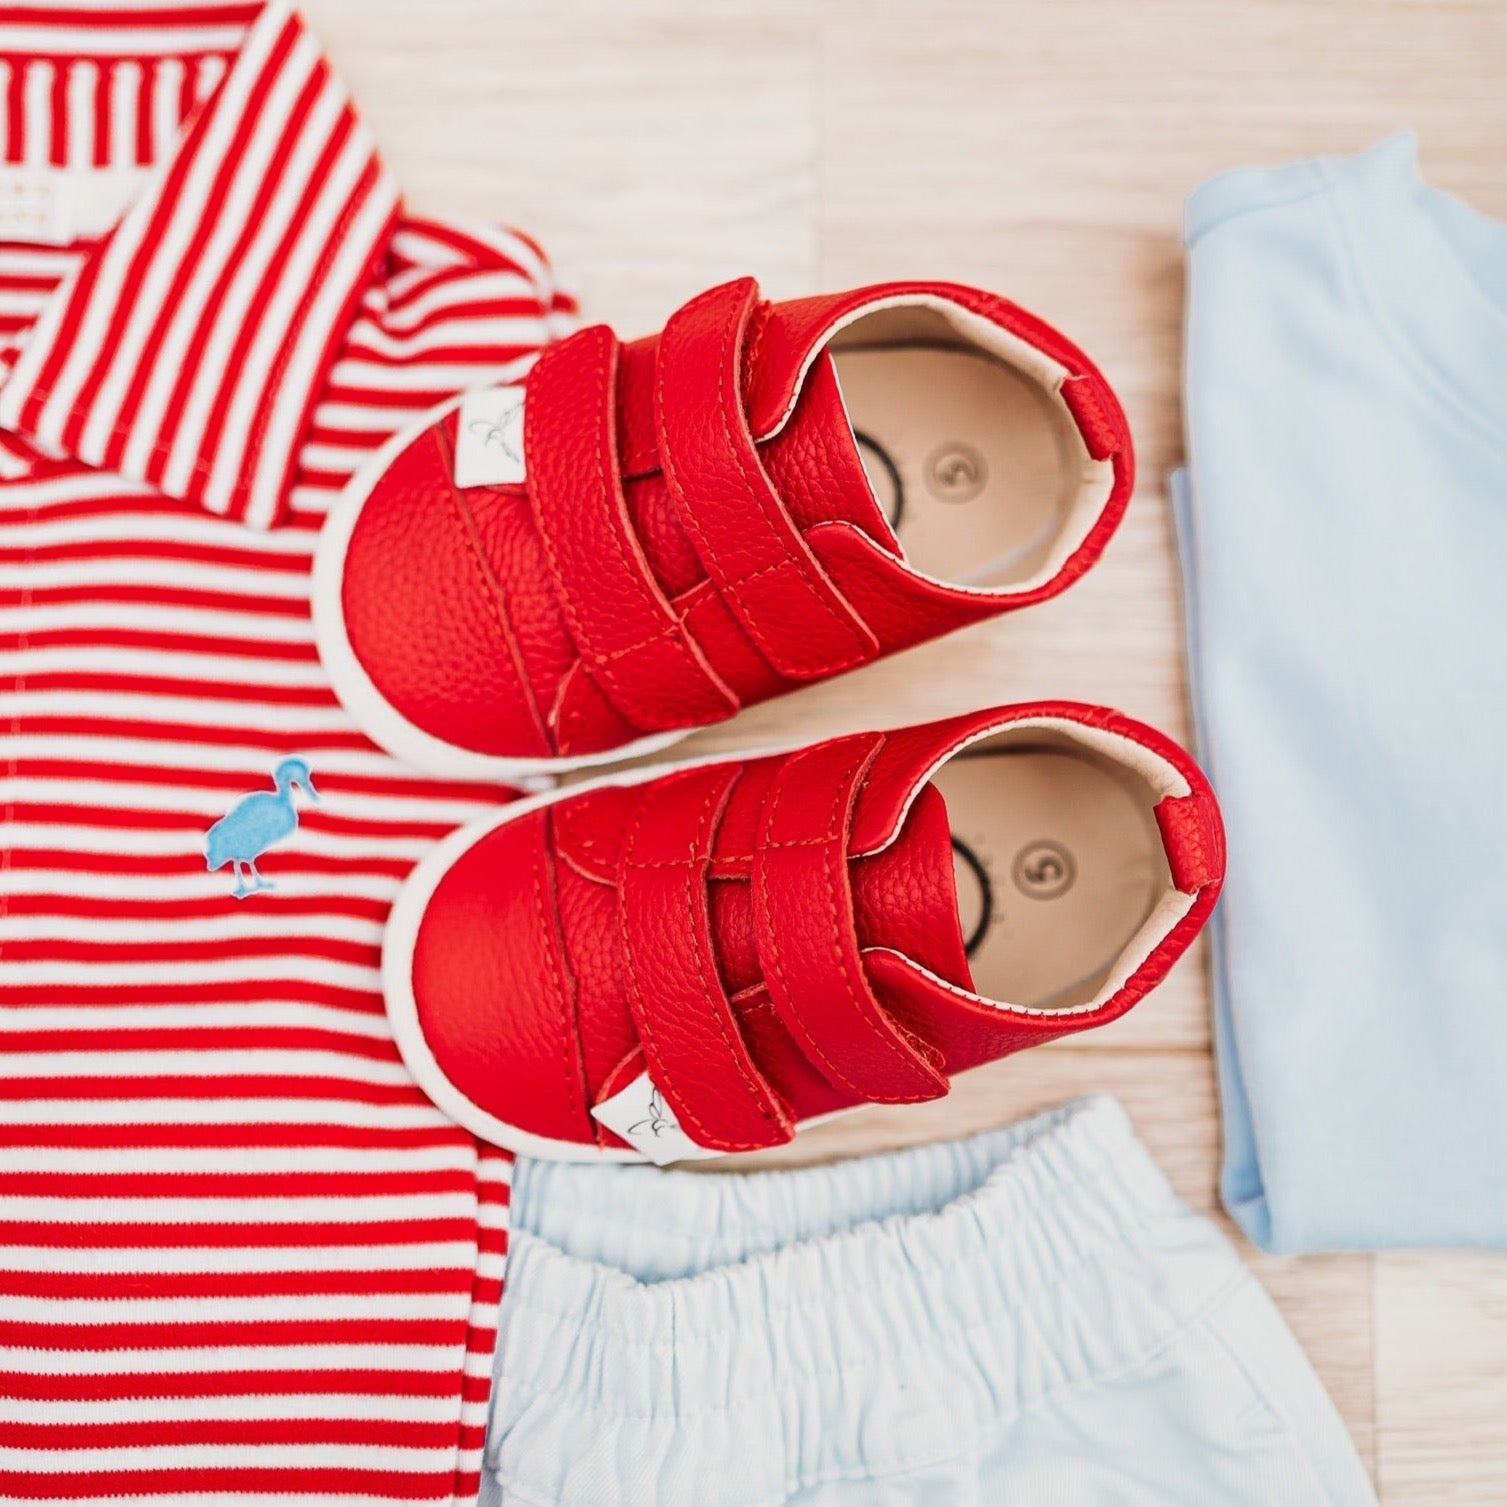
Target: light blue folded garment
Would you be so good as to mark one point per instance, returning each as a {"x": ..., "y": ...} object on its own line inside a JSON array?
[
  {"x": 1343, "y": 524},
  {"x": 1028, "y": 1317}
]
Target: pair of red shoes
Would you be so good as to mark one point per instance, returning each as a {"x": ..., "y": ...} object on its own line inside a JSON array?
[{"x": 634, "y": 541}]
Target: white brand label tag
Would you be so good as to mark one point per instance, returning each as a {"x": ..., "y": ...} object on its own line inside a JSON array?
[
  {"x": 34, "y": 207},
  {"x": 489, "y": 441},
  {"x": 55, "y": 206},
  {"x": 640, "y": 1115}
]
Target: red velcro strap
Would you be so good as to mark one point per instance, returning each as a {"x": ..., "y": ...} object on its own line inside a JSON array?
[
  {"x": 808, "y": 945},
  {"x": 746, "y": 540},
  {"x": 695, "y": 1052},
  {"x": 633, "y": 641}
]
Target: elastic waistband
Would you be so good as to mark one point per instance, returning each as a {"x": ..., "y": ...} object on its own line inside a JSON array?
[{"x": 829, "y": 1310}]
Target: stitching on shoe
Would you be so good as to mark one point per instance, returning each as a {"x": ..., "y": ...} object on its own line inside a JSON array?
[
  {"x": 704, "y": 966},
  {"x": 895, "y": 1048},
  {"x": 732, "y": 588},
  {"x": 573, "y": 1088},
  {"x": 491, "y": 590},
  {"x": 603, "y": 662}
]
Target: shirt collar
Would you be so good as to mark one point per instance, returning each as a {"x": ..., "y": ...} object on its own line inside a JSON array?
[{"x": 187, "y": 347}]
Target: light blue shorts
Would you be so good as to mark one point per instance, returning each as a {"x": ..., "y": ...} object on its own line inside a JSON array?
[{"x": 1030, "y": 1316}]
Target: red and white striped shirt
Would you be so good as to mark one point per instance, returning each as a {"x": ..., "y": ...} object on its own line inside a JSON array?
[{"x": 241, "y": 1256}]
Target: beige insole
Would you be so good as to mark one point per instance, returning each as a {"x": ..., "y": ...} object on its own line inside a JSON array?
[
  {"x": 1058, "y": 862},
  {"x": 971, "y": 461}
]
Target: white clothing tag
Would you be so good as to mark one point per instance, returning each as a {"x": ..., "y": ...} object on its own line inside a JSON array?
[
  {"x": 489, "y": 441},
  {"x": 34, "y": 206},
  {"x": 640, "y": 1115},
  {"x": 54, "y": 206}
]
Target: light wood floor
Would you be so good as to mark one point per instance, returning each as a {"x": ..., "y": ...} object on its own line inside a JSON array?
[{"x": 1044, "y": 150}]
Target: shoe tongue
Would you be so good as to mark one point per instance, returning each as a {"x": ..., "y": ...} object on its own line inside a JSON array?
[
  {"x": 905, "y": 896},
  {"x": 814, "y": 461}
]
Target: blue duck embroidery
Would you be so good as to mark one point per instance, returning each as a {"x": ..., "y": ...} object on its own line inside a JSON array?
[{"x": 253, "y": 824}]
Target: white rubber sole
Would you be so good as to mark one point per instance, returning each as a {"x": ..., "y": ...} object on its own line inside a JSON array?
[
  {"x": 376, "y": 716},
  {"x": 400, "y": 940}
]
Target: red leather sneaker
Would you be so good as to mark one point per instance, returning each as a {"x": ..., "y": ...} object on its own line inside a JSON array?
[
  {"x": 633, "y": 541},
  {"x": 669, "y": 963}
]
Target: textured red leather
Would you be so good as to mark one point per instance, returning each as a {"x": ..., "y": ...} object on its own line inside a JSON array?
[
  {"x": 750, "y": 545},
  {"x": 806, "y": 935},
  {"x": 629, "y": 635},
  {"x": 1194, "y": 839},
  {"x": 696, "y": 533},
  {"x": 433, "y": 631},
  {"x": 494, "y": 984},
  {"x": 685, "y": 1021},
  {"x": 770, "y": 939}
]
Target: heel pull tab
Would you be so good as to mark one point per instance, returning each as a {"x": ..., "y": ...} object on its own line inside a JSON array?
[
  {"x": 1193, "y": 837},
  {"x": 1101, "y": 434}
]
